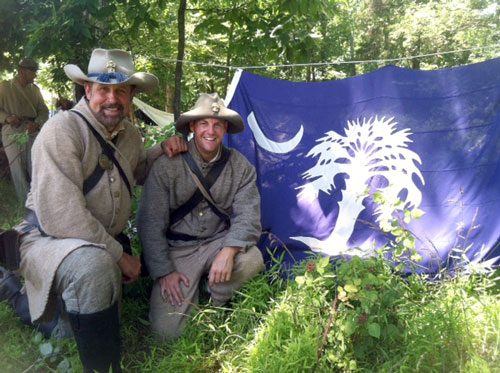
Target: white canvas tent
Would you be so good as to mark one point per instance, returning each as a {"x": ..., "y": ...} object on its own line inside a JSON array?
[{"x": 161, "y": 118}]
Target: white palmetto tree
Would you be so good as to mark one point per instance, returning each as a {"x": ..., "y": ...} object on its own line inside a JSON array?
[{"x": 369, "y": 148}]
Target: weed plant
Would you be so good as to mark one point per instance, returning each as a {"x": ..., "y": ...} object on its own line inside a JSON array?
[{"x": 349, "y": 316}]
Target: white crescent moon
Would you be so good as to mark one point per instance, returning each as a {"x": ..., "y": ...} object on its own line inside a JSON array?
[{"x": 269, "y": 145}]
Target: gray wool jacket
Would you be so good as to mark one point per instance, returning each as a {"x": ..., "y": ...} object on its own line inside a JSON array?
[
  {"x": 170, "y": 185},
  {"x": 66, "y": 153}
]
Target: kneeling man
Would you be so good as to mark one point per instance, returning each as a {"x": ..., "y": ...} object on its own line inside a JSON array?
[{"x": 199, "y": 214}]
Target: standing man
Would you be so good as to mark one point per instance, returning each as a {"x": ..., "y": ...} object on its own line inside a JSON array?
[
  {"x": 186, "y": 233},
  {"x": 21, "y": 109},
  {"x": 86, "y": 162}
]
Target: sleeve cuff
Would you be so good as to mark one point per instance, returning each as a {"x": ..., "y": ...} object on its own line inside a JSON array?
[
  {"x": 161, "y": 270},
  {"x": 115, "y": 249},
  {"x": 243, "y": 245}
]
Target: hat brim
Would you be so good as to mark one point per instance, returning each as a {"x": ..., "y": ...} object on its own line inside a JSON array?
[
  {"x": 236, "y": 123},
  {"x": 144, "y": 82}
]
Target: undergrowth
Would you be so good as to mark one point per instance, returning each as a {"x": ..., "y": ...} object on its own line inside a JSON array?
[{"x": 350, "y": 314}]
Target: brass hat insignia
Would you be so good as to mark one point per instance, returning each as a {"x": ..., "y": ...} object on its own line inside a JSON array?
[
  {"x": 111, "y": 66},
  {"x": 215, "y": 108}
]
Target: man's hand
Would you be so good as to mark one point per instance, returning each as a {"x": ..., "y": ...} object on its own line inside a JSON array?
[
  {"x": 31, "y": 126},
  {"x": 171, "y": 285},
  {"x": 13, "y": 120},
  {"x": 222, "y": 266},
  {"x": 173, "y": 146},
  {"x": 130, "y": 267}
]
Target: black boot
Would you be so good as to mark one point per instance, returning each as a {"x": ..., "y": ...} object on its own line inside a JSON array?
[
  {"x": 10, "y": 290},
  {"x": 9, "y": 284},
  {"x": 97, "y": 336}
]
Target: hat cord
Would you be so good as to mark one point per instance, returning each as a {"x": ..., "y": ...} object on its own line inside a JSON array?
[{"x": 107, "y": 77}]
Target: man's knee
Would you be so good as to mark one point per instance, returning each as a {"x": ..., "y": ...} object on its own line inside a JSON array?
[
  {"x": 89, "y": 280},
  {"x": 93, "y": 262},
  {"x": 167, "y": 321},
  {"x": 249, "y": 264}
]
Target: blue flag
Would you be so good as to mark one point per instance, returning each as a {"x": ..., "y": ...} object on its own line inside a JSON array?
[{"x": 428, "y": 138}]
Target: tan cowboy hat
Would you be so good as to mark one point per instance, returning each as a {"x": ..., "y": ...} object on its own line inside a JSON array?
[
  {"x": 210, "y": 106},
  {"x": 112, "y": 66}
]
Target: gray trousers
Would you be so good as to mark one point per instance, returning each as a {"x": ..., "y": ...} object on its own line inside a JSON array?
[
  {"x": 88, "y": 280},
  {"x": 195, "y": 261},
  {"x": 19, "y": 157}
]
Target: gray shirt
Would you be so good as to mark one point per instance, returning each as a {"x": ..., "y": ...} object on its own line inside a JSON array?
[{"x": 170, "y": 185}]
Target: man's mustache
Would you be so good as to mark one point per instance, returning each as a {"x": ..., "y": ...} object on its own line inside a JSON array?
[{"x": 112, "y": 106}]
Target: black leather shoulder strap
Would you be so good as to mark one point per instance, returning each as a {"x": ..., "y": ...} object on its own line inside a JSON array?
[
  {"x": 207, "y": 182},
  {"x": 107, "y": 150}
]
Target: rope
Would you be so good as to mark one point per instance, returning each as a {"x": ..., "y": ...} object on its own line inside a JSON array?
[{"x": 338, "y": 62}]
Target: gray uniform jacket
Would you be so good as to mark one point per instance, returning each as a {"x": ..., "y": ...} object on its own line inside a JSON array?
[
  {"x": 66, "y": 153},
  {"x": 170, "y": 184}
]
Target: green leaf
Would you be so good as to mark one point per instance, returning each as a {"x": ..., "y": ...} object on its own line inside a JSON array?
[
  {"x": 353, "y": 365},
  {"x": 46, "y": 349},
  {"x": 300, "y": 280},
  {"x": 392, "y": 330},
  {"x": 107, "y": 11},
  {"x": 323, "y": 262},
  {"x": 385, "y": 226},
  {"x": 38, "y": 337},
  {"x": 378, "y": 198},
  {"x": 417, "y": 213},
  {"x": 84, "y": 31},
  {"x": 349, "y": 327},
  {"x": 371, "y": 296},
  {"x": 64, "y": 365},
  {"x": 415, "y": 256},
  {"x": 351, "y": 288},
  {"x": 398, "y": 231},
  {"x": 409, "y": 242},
  {"x": 374, "y": 330}
]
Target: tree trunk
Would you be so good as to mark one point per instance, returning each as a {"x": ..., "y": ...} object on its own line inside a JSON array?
[
  {"x": 180, "y": 57},
  {"x": 169, "y": 99},
  {"x": 228, "y": 60}
]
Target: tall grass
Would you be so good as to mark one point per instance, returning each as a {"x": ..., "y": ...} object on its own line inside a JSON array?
[
  {"x": 11, "y": 211},
  {"x": 354, "y": 316},
  {"x": 410, "y": 325}
]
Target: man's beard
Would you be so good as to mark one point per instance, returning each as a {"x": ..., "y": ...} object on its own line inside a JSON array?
[{"x": 109, "y": 122}]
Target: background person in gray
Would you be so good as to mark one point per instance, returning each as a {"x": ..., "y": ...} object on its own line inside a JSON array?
[
  {"x": 21, "y": 109},
  {"x": 179, "y": 251}
]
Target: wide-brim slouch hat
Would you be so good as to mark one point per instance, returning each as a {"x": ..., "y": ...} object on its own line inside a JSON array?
[
  {"x": 210, "y": 105},
  {"x": 112, "y": 66}
]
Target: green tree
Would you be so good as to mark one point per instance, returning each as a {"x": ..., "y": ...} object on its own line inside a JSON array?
[{"x": 222, "y": 34}]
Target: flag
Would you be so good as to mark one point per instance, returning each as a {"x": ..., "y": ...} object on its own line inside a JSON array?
[{"x": 324, "y": 150}]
